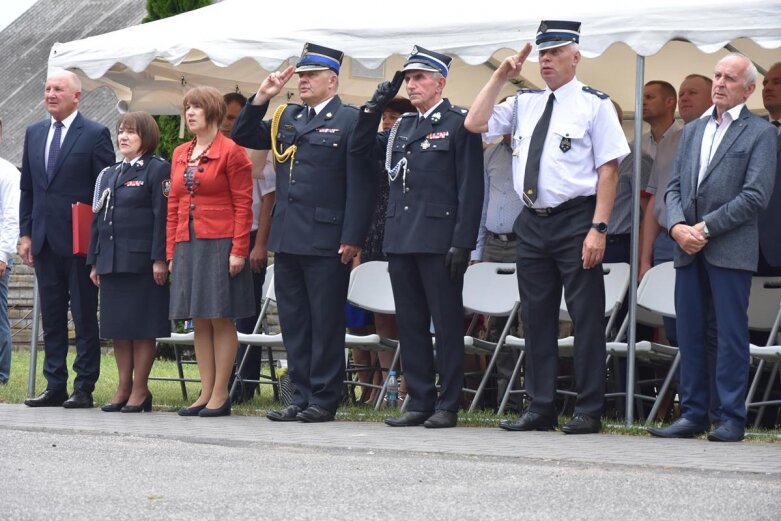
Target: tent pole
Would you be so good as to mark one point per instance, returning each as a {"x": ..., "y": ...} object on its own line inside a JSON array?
[{"x": 638, "y": 156}]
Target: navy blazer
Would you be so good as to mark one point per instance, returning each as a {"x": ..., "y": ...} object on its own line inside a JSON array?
[
  {"x": 128, "y": 232},
  {"x": 45, "y": 205},
  {"x": 770, "y": 220},
  {"x": 736, "y": 187},
  {"x": 441, "y": 202},
  {"x": 329, "y": 198}
]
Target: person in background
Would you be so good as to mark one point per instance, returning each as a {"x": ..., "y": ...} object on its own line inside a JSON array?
[
  {"x": 9, "y": 235},
  {"x": 770, "y": 218},
  {"x": 127, "y": 255},
  {"x": 263, "y": 197},
  {"x": 209, "y": 219}
]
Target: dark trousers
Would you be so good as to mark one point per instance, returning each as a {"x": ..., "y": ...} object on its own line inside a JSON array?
[
  {"x": 699, "y": 288},
  {"x": 64, "y": 280},
  {"x": 251, "y": 369},
  {"x": 549, "y": 256},
  {"x": 311, "y": 292},
  {"x": 423, "y": 292}
]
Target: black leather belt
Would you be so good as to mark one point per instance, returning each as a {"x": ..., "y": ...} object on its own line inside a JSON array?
[
  {"x": 504, "y": 237},
  {"x": 566, "y": 205}
]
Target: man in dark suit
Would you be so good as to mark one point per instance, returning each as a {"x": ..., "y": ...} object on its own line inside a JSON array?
[
  {"x": 62, "y": 158},
  {"x": 722, "y": 179},
  {"x": 321, "y": 216},
  {"x": 434, "y": 207},
  {"x": 770, "y": 218}
]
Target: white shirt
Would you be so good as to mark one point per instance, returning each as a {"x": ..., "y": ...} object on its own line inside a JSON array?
[
  {"x": 267, "y": 183},
  {"x": 9, "y": 210},
  {"x": 714, "y": 133},
  {"x": 67, "y": 122},
  {"x": 588, "y": 121},
  {"x": 320, "y": 106}
]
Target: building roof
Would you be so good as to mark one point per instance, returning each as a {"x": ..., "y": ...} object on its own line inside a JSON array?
[{"x": 25, "y": 46}]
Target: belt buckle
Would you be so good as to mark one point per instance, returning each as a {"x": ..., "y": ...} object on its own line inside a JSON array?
[
  {"x": 542, "y": 212},
  {"x": 503, "y": 237}
]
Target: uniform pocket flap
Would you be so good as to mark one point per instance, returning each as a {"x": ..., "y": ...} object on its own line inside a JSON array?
[
  {"x": 443, "y": 211},
  {"x": 327, "y": 215},
  {"x": 325, "y": 140}
]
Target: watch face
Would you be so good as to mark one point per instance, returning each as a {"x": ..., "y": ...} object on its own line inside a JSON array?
[{"x": 601, "y": 227}]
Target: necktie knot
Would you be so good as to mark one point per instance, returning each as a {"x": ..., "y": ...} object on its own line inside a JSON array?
[
  {"x": 58, "y": 124},
  {"x": 311, "y": 114},
  {"x": 125, "y": 168},
  {"x": 776, "y": 123}
]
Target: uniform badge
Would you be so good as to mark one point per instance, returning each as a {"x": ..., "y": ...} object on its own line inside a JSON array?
[
  {"x": 299, "y": 115},
  {"x": 435, "y": 117},
  {"x": 425, "y": 145},
  {"x": 166, "y": 187},
  {"x": 566, "y": 144},
  {"x": 134, "y": 183},
  {"x": 328, "y": 115},
  {"x": 139, "y": 164}
]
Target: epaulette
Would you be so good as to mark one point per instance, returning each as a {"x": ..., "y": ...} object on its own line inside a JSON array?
[
  {"x": 409, "y": 114},
  {"x": 598, "y": 93},
  {"x": 350, "y": 106},
  {"x": 529, "y": 91},
  {"x": 155, "y": 156},
  {"x": 459, "y": 110},
  {"x": 294, "y": 104}
]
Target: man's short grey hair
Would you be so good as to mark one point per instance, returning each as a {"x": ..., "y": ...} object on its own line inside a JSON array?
[{"x": 750, "y": 74}]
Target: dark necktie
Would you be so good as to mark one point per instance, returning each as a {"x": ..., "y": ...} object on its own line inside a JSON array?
[
  {"x": 125, "y": 168},
  {"x": 311, "y": 114},
  {"x": 536, "y": 145},
  {"x": 54, "y": 149},
  {"x": 776, "y": 123}
]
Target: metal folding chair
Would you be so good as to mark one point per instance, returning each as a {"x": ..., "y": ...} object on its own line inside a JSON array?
[
  {"x": 178, "y": 340},
  {"x": 490, "y": 290},
  {"x": 370, "y": 289},
  {"x": 765, "y": 298},
  {"x": 260, "y": 338}
]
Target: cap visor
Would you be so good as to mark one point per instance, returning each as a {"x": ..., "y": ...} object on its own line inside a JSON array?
[
  {"x": 304, "y": 68},
  {"x": 553, "y": 44}
]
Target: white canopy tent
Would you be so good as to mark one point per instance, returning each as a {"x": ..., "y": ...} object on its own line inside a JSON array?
[{"x": 233, "y": 45}]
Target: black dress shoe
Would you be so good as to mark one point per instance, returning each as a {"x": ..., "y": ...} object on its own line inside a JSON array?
[
  {"x": 728, "y": 432},
  {"x": 288, "y": 414},
  {"x": 48, "y": 398},
  {"x": 409, "y": 419},
  {"x": 441, "y": 420},
  {"x": 680, "y": 428},
  {"x": 531, "y": 421},
  {"x": 191, "y": 411},
  {"x": 314, "y": 414},
  {"x": 223, "y": 410},
  {"x": 582, "y": 424},
  {"x": 113, "y": 407},
  {"x": 79, "y": 400},
  {"x": 145, "y": 406}
]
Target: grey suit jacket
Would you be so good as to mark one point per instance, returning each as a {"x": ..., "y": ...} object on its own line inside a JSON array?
[{"x": 735, "y": 189}]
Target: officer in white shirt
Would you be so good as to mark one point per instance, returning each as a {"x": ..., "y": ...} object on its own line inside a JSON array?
[{"x": 566, "y": 143}]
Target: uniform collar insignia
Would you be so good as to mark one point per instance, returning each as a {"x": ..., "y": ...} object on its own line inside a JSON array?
[{"x": 435, "y": 117}]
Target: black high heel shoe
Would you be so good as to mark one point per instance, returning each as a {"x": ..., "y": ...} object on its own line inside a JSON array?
[
  {"x": 225, "y": 410},
  {"x": 191, "y": 411},
  {"x": 145, "y": 406},
  {"x": 113, "y": 407}
]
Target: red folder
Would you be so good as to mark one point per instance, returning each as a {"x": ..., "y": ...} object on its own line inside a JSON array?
[{"x": 81, "y": 215}]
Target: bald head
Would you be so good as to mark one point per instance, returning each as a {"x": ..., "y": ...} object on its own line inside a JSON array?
[{"x": 62, "y": 94}]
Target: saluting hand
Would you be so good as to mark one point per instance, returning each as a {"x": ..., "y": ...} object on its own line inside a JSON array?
[
  {"x": 511, "y": 66},
  {"x": 271, "y": 86}
]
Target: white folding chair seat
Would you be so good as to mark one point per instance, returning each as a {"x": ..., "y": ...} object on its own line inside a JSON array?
[
  {"x": 370, "y": 289},
  {"x": 764, "y": 314}
]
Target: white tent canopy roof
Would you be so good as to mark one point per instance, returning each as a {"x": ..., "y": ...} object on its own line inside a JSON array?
[{"x": 233, "y": 44}]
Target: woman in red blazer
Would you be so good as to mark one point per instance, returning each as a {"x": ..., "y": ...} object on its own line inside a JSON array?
[{"x": 209, "y": 220}]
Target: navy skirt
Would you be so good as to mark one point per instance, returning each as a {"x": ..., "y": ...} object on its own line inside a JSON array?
[{"x": 132, "y": 306}]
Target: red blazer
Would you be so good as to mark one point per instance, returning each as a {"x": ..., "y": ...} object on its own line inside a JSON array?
[{"x": 221, "y": 200}]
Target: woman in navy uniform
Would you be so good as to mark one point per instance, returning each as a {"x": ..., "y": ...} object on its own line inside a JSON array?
[{"x": 127, "y": 255}]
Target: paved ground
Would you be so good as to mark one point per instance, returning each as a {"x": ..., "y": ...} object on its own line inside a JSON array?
[{"x": 85, "y": 464}]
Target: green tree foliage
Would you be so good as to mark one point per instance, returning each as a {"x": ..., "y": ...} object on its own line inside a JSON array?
[{"x": 169, "y": 125}]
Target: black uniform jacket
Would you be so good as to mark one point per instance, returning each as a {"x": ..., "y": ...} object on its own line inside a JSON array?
[
  {"x": 328, "y": 197},
  {"x": 439, "y": 202},
  {"x": 128, "y": 233}
]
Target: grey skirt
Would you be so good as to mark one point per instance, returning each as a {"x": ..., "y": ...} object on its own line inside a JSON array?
[{"x": 201, "y": 286}]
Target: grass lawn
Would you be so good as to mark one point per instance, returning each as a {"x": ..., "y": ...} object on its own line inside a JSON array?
[{"x": 168, "y": 397}]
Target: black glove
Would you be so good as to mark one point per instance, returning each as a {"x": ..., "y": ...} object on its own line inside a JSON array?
[
  {"x": 457, "y": 261},
  {"x": 385, "y": 92}
]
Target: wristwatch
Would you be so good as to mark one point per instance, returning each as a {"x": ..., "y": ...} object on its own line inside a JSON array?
[{"x": 600, "y": 227}]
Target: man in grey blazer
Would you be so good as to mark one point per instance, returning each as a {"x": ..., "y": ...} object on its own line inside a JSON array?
[{"x": 722, "y": 179}]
